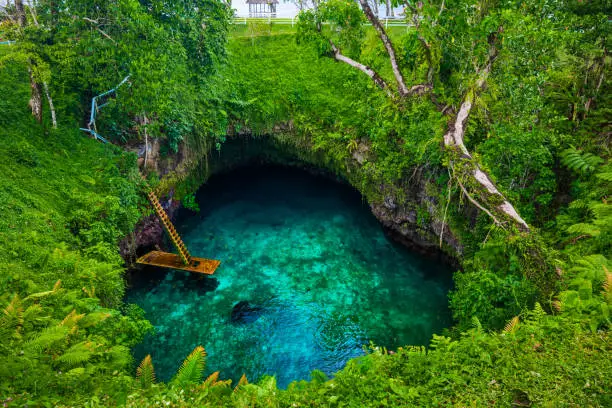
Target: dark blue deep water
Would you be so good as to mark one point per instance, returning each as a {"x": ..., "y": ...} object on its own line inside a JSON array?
[{"x": 316, "y": 275}]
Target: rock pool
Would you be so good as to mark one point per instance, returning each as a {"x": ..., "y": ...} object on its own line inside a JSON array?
[{"x": 307, "y": 278}]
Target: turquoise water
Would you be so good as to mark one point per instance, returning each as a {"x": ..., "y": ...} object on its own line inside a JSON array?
[{"x": 320, "y": 277}]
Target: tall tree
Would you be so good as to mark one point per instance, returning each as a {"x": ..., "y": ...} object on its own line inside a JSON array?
[
  {"x": 475, "y": 182},
  {"x": 37, "y": 69},
  {"x": 36, "y": 96}
]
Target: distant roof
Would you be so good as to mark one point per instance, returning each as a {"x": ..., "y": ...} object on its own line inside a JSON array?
[{"x": 262, "y": 1}]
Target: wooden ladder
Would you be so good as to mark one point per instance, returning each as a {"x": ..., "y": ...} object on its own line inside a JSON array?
[{"x": 174, "y": 236}]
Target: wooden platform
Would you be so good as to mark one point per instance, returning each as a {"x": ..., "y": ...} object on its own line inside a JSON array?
[{"x": 168, "y": 260}]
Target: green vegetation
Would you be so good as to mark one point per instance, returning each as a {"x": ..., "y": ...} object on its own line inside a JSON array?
[
  {"x": 66, "y": 200},
  {"x": 532, "y": 309}
]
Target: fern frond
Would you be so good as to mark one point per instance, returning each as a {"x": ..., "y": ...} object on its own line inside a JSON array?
[
  {"x": 591, "y": 267},
  {"x": 90, "y": 292},
  {"x": 57, "y": 285},
  {"x": 145, "y": 373},
  {"x": 192, "y": 368},
  {"x": 476, "y": 323},
  {"x": 74, "y": 358},
  {"x": 579, "y": 204},
  {"x": 583, "y": 228},
  {"x": 579, "y": 161},
  {"x": 211, "y": 380},
  {"x": 557, "y": 305},
  {"x": 41, "y": 295},
  {"x": 606, "y": 176},
  {"x": 92, "y": 319},
  {"x": 12, "y": 317},
  {"x": 601, "y": 211},
  {"x": 512, "y": 325},
  {"x": 538, "y": 311},
  {"x": 243, "y": 381},
  {"x": 71, "y": 320},
  {"x": 48, "y": 337},
  {"x": 120, "y": 356},
  {"x": 607, "y": 285}
]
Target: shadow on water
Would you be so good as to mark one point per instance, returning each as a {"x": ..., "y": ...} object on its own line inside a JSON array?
[{"x": 307, "y": 278}]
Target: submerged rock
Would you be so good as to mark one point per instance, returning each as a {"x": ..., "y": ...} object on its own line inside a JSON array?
[{"x": 243, "y": 312}]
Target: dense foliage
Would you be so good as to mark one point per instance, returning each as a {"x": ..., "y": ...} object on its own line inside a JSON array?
[
  {"x": 532, "y": 309},
  {"x": 65, "y": 202}
]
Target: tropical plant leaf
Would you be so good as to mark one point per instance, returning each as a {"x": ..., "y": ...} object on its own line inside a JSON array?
[
  {"x": 145, "y": 373},
  {"x": 243, "y": 381},
  {"x": 48, "y": 337},
  {"x": 192, "y": 368},
  {"x": 12, "y": 318},
  {"x": 579, "y": 161},
  {"x": 512, "y": 325},
  {"x": 584, "y": 229},
  {"x": 607, "y": 176},
  {"x": 476, "y": 323},
  {"x": 211, "y": 380},
  {"x": 71, "y": 320},
  {"x": 74, "y": 358}
]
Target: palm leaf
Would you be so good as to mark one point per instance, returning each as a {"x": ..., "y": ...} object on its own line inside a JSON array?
[
  {"x": 192, "y": 368},
  {"x": 145, "y": 373}
]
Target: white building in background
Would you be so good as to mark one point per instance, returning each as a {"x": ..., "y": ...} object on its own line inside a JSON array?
[
  {"x": 262, "y": 8},
  {"x": 289, "y": 9}
]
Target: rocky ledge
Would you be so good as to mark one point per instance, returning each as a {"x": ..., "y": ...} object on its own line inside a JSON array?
[{"x": 410, "y": 213}]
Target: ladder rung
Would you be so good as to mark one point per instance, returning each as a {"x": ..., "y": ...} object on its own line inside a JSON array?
[{"x": 165, "y": 219}]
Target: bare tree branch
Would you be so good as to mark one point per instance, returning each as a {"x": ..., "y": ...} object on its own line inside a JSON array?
[
  {"x": 401, "y": 84},
  {"x": 454, "y": 137},
  {"x": 363, "y": 68},
  {"x": 416, "y": 20},
  {"x": 99, "y": 29},
  {"x": 33, "y": 14},
  {"x": 477, "y": 204}
]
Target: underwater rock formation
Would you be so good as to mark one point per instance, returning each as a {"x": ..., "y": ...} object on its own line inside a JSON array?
[{"x": 243, "y": 312}]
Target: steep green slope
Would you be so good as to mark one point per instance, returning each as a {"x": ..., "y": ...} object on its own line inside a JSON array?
[{"x": 65, "y": 201}]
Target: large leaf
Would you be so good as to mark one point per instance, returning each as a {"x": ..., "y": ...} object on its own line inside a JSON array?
[
  {"x": 145, "y": 373},
  {"x": 192, "y": 368}
]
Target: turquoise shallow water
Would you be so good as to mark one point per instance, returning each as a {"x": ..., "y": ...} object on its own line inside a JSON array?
[{"x": 319, "y": 275}]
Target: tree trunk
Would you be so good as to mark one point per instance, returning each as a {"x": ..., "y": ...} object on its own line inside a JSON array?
[
  {"x": 35, "y": 98},
  {"x": 20, "y": 13},
  {"x": 388, "y": 8},
  {"x": 51, "y": 106},
  {"x": 36, "y": 95},
  {"x": 401, "y": 84},
  {"x": 146, "y": 155}
]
